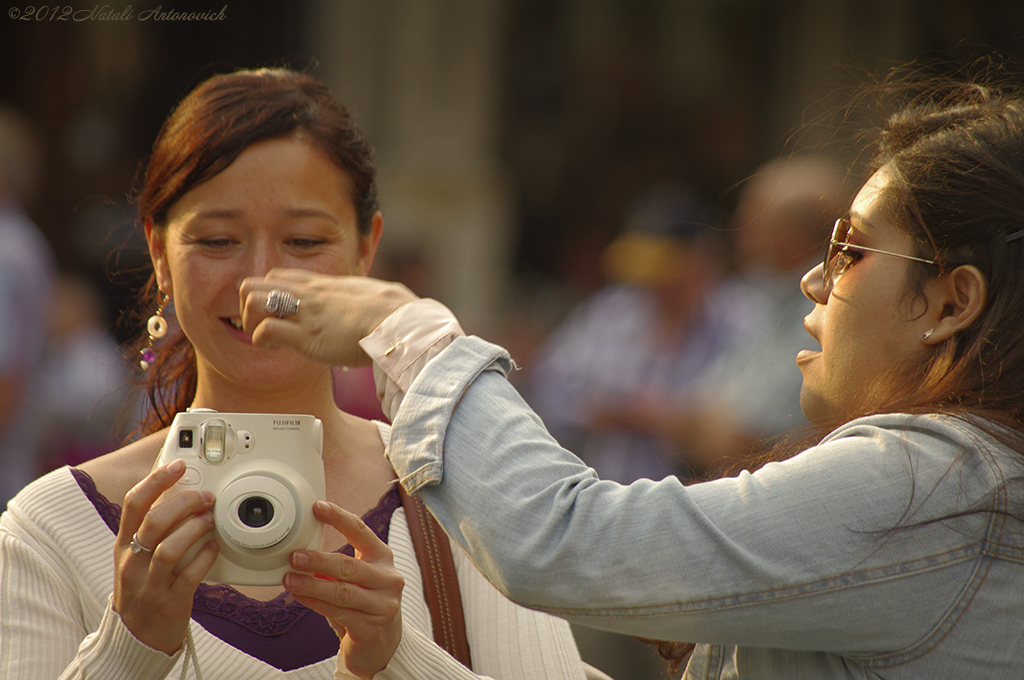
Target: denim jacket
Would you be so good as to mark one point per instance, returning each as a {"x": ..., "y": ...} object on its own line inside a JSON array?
[{"x": 822, "y": 566}]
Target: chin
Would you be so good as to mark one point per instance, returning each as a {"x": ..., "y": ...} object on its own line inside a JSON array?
[{"x": 813, "y": 406}]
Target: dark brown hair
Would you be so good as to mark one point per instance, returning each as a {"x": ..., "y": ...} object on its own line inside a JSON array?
[
  {"x": 954, "y": 154},
  {"x": 956, "y": 167},
  {"x": 204, "y": 134}
]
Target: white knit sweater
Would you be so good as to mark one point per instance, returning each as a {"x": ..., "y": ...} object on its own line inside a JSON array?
[{"x": 56, "y": 579}]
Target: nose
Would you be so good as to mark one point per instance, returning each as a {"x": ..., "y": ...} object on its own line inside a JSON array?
[
  {"x": 264, "y": 257},
  {"x": 813, "y": 286},
  {"x": 260, "y": 258}
]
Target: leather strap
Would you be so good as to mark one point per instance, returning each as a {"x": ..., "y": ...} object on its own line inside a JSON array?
[{"x": 440, "y": 583}]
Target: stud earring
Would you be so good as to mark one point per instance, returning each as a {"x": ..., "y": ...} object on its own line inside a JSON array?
[
  {"x": 157, "y": 328},
  {"x": 928, "y": 334}
]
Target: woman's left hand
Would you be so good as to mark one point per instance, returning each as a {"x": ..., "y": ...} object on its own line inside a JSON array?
[
  {"x": 360, "y": 596},
  {"x": 332, "y": 315}
]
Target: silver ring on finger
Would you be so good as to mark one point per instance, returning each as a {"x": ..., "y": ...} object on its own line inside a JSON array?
[
  {"x": 138, "y": 547},
  {"x": 281, "y": 303}
]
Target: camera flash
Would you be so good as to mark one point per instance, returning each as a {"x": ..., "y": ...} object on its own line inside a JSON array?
[{"x": 213, "y": 440}]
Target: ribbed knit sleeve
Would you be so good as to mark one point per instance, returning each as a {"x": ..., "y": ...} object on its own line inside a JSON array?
[{"x": 52, "y": 624}]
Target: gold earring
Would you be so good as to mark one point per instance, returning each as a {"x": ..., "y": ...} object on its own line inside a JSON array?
[{"x": 157, "y": 328}]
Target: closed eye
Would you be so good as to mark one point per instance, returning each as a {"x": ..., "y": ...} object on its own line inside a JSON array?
[
  {"x": 216, "y": 243},
  {"x": 306, "y": 242}
]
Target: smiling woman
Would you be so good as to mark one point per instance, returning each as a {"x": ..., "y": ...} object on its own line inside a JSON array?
[
  {"x": 890, "y": 545},
  {"x": 281, "y": 203},
  {"x": 255, "y": 176},
  {"x": 306, "y": 129}
]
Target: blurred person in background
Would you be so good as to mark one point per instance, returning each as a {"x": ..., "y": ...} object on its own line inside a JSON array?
[
  {"x": 26, "y": 274},
  {"x": 603, "y": 378},
  {"x": 83, "y": 397},
  {"x": 752, "y": 392}
]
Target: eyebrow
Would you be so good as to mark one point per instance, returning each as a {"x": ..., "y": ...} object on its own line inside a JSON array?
[
  {"x": 228, "y": 214},
  {"x": 858, "y": 222},
  {"x": 853, "y": 215}
]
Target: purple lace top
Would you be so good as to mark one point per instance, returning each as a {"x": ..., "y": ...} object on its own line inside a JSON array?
[{"x": 280, "y": 632}]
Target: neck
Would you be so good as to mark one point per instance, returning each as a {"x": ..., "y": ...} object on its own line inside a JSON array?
[{"x": 311, "y": 394}]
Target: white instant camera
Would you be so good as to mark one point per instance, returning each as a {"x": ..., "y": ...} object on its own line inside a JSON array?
[{"x": 266, "y": 472}]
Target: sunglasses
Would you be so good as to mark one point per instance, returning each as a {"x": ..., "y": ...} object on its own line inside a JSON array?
[{"x": 838, "y": 258}]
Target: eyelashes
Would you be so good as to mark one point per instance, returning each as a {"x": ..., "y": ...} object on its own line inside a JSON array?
[{"x": 846, "y": 258}]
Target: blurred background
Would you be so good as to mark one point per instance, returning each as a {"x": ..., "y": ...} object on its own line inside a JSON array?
[{"x": 512, "y": 136}]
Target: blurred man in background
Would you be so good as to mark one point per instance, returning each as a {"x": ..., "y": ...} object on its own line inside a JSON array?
[
  {"x": 603, "y": 380},
  {"x": 751, "y": 394}
]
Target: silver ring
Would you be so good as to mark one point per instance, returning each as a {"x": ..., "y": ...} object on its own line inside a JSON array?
[
  {"x": 138, "y": 547},
  {"x": 281, "y": 303}
]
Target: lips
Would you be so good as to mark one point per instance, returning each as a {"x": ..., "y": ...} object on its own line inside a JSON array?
[
  {"x": 810, "y": 329},
  {"x": 806, "y": 355},
  {"x": 234, "y": 325}
]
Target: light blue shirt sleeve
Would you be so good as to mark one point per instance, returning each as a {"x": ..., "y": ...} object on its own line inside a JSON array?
[{"x": 797, "y": 556}]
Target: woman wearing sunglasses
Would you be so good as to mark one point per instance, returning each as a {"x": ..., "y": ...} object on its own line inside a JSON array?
[{"x": 890, "y": 544}]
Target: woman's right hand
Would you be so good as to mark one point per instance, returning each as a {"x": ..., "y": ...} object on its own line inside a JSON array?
[{"x": 154, "y": 602}]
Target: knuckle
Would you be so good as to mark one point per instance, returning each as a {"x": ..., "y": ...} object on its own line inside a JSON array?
[
  {"x": 161, "y": 557},
  {"x": 342, "y": 594},
  {"x": 131, "y": 499},
  {"x": 347, "y": 569},
  {"x": 396, "y": 580}
]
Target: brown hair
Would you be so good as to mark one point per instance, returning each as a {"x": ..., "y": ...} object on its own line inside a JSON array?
[
  {"x": 954, "y": 154},
  {"x": 204, "y": 134},
  {"x": 956, "y": 167}
]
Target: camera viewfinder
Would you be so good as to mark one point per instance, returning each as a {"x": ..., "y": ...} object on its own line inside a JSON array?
[{"x": 185, "y": 438}]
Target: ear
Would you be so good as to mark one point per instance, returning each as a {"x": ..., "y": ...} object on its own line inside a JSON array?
[
  {"x": 158, "y": 254},
  {"x": 368, "y": 244},
  {"x": 959, "y": 298}
]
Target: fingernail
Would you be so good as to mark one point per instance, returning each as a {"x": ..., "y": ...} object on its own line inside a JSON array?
[
  {"x": 207, "y": 495},
  {"x": 176, "y": 466},
  {"x": 291, "y": 580},
  {"x": 300, "y": 559},
  {"x": 207, "y": 517},
  {"x": 323, "y": 506}
]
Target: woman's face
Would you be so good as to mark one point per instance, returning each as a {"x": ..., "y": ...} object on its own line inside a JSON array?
[
  {"x": 869, "y": 323},
  {"x": 281, "y": 203}
]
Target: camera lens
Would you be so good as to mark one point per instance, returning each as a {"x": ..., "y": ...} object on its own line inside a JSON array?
[{"x": 255, "y": 511}]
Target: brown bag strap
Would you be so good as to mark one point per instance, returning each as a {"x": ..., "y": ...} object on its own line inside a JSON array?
[{"x": 440, "y": 583}]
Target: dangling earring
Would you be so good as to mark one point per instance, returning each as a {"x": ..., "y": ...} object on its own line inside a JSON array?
[
  {"x": 928, "y": 333},
  {"x": 157, "y": 328}
]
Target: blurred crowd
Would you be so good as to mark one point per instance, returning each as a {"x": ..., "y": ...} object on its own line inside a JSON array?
[{"x": 64, "y": 390}]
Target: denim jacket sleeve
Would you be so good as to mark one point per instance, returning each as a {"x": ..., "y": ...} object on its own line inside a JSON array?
[{"x": 799, "y": 555}]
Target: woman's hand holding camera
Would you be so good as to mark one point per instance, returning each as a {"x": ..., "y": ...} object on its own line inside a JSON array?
[
  {"x": 154, "y": 602},
  {"x": 360, "y": 596},
  {"x": 320, "y": 316}
]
